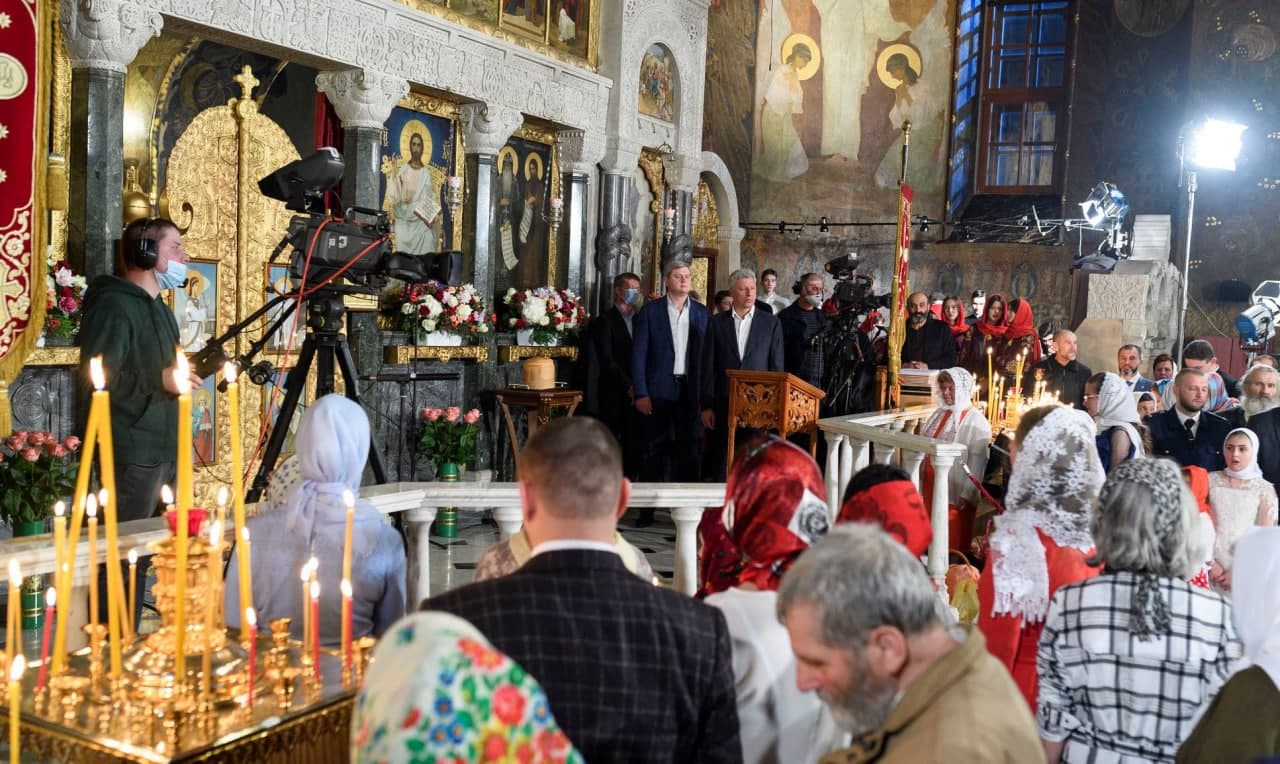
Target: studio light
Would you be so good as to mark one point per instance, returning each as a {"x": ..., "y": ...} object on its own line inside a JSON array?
[
  {"x": 1257, "y": 324},
  {"x": 1105, "y": 203},
  {"x": 1215, "y": 144}
]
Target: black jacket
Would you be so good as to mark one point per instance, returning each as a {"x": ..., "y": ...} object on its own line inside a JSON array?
[
  {"x": 1267, "y": 427},
  {"x": 720, "y": 353},
  {"x": 1169, "y": 438},
  {"x": 608, "y": 363},
  {"x": 795, "y": 346},
  {"x": 633, "y": 672},
  {"x": 1068, "y": 380},
  {"x": 931, "y": 344}
]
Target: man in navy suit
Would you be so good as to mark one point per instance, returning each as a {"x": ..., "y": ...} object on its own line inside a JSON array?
[
  {"x": 744, "y": 337},
  {"x": 1190, "y": 435},
  {"x": 633, "y": 672},
  {"x": 666, "y": 358},
  {"x": 1128, "y": 363}
]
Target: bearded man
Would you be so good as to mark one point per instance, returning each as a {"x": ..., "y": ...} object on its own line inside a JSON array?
[
  {"x": 928, "y": 343},
  {"x": 868, "y": 635}
]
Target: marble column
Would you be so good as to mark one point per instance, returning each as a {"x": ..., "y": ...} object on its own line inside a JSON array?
[
  {"x": 101, "y": 39},
  {"x": 729, "y": 246},
  {"x": 580, "y": 152},
  {"x": 613, "y": 245},
  {"x": 485, "y": 130},
  {"x": 363, "y": 99}
]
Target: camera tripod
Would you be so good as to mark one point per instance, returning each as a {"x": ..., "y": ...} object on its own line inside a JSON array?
[{"x": 325, "y": 347}]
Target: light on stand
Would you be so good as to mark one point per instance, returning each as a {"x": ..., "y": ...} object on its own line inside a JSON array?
[
  {"x": 668, "y": 223},
  {"x": 455, "y": 196},
  {"x": 1106, "y": 209},
  {"x": 1212, "y": 144},
  {"x": 556, "y": 214},
  {"x": 1105, "y": 203},
  {"x": 1257, "y": 324}
]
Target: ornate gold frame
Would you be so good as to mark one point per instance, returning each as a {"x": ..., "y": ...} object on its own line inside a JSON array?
[
  {"x": 515, "y": 353},
  {"x": 537, "y": 132},
  {"x": 542, "y": 47},
  {"x": 403, "y": 354},
  {"x": 651, "y": 165},
  {"x": 445, "y": 108}
]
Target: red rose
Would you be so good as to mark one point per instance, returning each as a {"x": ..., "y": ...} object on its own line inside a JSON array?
[
  {"x": 508, "y": 705},
  {"x": 31, "y": 454},
  {"x": 452, "y": 413},
  {"x": 60, "y": 451},
  {"x": 68, "y": 304},
  {"x": 72, "y": 443},
  {"x": 495, "y": 747},
  {"x": 525, "y": 753}
]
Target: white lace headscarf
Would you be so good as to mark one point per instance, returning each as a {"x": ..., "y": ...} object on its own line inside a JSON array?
[
  {"x": 333, "y": 445},
  {"x": 964, "y": 383},
  {"x": 1118, "y": 408},
  {"x": 1255, "y": 598},
  {"x": 1251, "y": 470},
  {"x": 1053, "y": 487}
]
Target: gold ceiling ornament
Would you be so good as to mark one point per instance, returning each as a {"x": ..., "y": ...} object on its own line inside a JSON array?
[{"x": 213, "y": 170}]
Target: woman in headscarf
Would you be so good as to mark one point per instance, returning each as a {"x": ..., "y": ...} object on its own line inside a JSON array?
[
  {"x": 333, "y": 446},
  {"x": 1121, "y": 434},
  {"x": 952, "y": 314},
  {"x": 987, "y": 332},
  {"x": 883, "y": 495},
  {"x": 1042, "y": 540},
  {"x": 1128, "y": 657},
  {"x": 1197, "y": 480},
  {"x": 955, "y": 420},
  {"x": 775, "y": 507},
  {"x": 436, "y": 690},
  {"x": 1232, "y": 729},
  {"x": 1240, "y": 498}
]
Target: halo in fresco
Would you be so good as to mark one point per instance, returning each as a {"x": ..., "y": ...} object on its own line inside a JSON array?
[{"x": 814, "y": 62}]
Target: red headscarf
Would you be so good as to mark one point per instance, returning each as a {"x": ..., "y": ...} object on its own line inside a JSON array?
[
  {"x": 775, "y": 506},
  {"x": 989, "y": 329},
  {"x": 959, "y": 326},
  {"x": 895, "y": 506},
  {"x": 1022, "y": 324}
]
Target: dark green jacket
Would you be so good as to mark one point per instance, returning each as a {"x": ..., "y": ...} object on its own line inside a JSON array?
[{"x": 137, "y": 337}]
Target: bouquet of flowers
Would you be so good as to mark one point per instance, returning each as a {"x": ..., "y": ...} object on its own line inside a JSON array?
[
  {"x": 436, "y": 307},
  {"x": 547, "y": 311},
  {"x": 64, "y": 296},
  {"x": 36, "y": 470},
  {"x": 448, "y": 435}
]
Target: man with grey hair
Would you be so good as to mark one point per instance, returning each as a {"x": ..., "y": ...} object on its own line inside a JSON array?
[
  {"x": 742, "y": 338},
  {"x": 1258, "y": 390},
  {"x": 869, "y": 638}
]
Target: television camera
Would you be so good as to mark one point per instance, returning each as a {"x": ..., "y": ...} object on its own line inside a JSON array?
[{"x": 852, "y": 290}]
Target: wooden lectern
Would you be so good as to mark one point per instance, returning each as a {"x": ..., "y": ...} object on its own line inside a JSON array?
[{"x": 773, "y": 400}]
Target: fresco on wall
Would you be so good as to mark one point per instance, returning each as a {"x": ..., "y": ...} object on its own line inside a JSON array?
[
  {"x": 834, "y": 82},
  {"x": 726, "y": 109},
  {"x": 570, "y": 26},
  {"x": 657, "y": 94}
]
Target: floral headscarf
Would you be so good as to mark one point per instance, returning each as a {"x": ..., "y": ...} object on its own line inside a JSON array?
[
  {"x": 775, "y": 507},
  {"x": 438, "y": 692},
  {"x": 897, "y": 507},
  {"x": 1053, "y": 488}
]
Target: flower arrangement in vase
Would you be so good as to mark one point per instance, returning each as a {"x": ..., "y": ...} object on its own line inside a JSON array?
[
  {"x": 543, "y": 315},
  {"x": 36, "y": 470},
  {"x": 448, "y": 436},
  {"x": 447, "y": 313},
  {"x": 64, "y": 297}
]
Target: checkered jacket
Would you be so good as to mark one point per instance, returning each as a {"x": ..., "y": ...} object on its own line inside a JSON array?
[{"x": 634, "y": 673}]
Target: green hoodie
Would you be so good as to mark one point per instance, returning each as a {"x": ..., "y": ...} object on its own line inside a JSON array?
[{"x": 137, "y": 337}]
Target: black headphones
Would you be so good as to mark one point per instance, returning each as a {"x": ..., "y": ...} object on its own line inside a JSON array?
[{"x": 143, "y": 254}]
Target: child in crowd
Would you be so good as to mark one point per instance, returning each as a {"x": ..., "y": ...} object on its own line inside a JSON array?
[{"x": 1240, "y": 498}]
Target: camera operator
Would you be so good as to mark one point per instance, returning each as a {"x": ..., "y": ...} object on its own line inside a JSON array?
[
  {"x": 127, "y": 323},
  {"x": 928, "y": 343},
  {"x": 803, "y": 322}
]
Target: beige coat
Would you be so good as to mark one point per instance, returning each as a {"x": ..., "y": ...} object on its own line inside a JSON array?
[{"x": 963, "y": 708}]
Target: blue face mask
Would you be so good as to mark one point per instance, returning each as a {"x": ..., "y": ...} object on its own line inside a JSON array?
[
  {"x": 631, "y": 296},
  {"x": 173, "y": 278}
]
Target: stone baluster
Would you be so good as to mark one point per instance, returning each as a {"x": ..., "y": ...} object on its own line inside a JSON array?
[
  {"x": 911, "y": 461},
  {"x": 509, "y": 520},
  {"x": 686, "y": 520},
  {"x": 940, "y": 545},
  {"x": 835, "y": 479},
  {"x": 418, "y": 568}
]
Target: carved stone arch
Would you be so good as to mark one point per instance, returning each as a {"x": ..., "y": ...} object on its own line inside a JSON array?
[
  {"x": 715, "y": 173},
  {"x": 652, "y": 26}
]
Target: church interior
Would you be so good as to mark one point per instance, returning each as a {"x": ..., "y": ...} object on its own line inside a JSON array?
[{"x": 533, "y": 151}]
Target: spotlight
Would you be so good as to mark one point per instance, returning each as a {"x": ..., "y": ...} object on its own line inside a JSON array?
[
  {"x": 1105, "y": 203},
  {"x": 823, "y": 226},
  {"x": 1215, "y": 144},
  {"x": 1257, "y": 324}
]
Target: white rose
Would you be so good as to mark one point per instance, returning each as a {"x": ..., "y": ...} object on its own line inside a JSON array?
[
  {"x": 428, "y": 324},
  {"x": 543, "y": 321},
  {"x": 63, "y": 277},
  {"x": 451, "y": 301},
  {"x": 408, "y": 308},
  {"x": 463, "y": 314}
]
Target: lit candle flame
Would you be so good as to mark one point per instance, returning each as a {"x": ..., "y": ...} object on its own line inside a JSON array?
[
  {"x": 215, "y": 533},
  {"x": 15, "y": 573},
  {"x": 348, "y": 499},
  {"x": 102, "y": 497},
  {"x": 59, "y": 510},
  {"x": 91, "y": 506},
  {"x": 133, "y": 556},
  {"x": 95, "y": 373},
  {"x": 182, "y": 374},
  {"x": 17, "y": 668},
  {"x": 250, "y": 617},
  {"x": 166, "y": 494},
  {"x": 229, "y": 372},
  {"x": 315, "y": 590},
  {"x": 306, "y": 572},
  {"x": 222, "y": 496},
  {"x": 244, "y": 534},
  {"x": 346, "y": 588},
  {"x": 51, "y": 597}
]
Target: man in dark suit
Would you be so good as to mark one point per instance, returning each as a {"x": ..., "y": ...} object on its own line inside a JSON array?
[
  {"x": 928, "y": 343},
  {"x": 633, "y": 672},
  {"x": 609, "y": 393},
  {"x": 741, "y": 338},
  {"x": 1267, "y": 427},
  {"x": 1129, "y": 365},
  {"x": 666, "y": 359},
  {"x": 1200, "y": 355},
  {"x": 1190, "y": 435}
]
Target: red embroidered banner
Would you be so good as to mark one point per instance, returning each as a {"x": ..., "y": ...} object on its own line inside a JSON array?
[
  {"x": 901, "y": 263},
  {"x": 22, "y": 145}
]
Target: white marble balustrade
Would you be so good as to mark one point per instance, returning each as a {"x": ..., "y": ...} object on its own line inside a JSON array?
[{"x": 889, "y": 437}]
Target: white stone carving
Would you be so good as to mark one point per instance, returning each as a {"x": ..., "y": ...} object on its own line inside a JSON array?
[
  {"x": 620, "y": 156},
  {"x": 685, "y": 172},
  {"x": 362, "y": 98},
  {"x": 580, "y": 151},
  {"x": 388, "y": 36},
  {"x": 487, "y": 127},
  {"x": 106, "y": 34}
]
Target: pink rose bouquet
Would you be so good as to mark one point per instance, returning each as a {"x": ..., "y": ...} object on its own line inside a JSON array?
[
  {"x": 448, "y": 435},
  {"x": 36, "y": 470}
]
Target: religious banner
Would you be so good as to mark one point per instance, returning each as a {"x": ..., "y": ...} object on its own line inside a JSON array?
[
  {"x": 898, "y": 308},
  {"x": 24, "y": 66}
]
